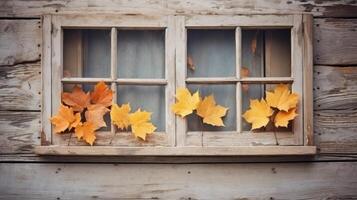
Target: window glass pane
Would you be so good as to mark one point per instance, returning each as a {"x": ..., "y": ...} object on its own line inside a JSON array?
[
  {"x": 141, "y": 54},
  {"x": 86, "y": 53},
  {"x": 89, "y": 88},
  {"x": 257, "y": 91},
  {"x": 266, "y": 53},
  {"x": 225, "y": 96},
  {"x": 148, "y": 98},
  {"x": 210, "y": 53}
]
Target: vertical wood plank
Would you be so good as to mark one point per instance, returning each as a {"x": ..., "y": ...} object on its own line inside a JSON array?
[
  {"x": 113, "y": 70},
  {"x": 181, "y": 60},
  {"x": 297, "y": 68},
  {"x": 57, "y": 69},
  {"x": 308, "y": 79},
  {"x": 238, "y": 38},
  {"x": 170, "y": 77},
  {"x": 46, "y": 81}
]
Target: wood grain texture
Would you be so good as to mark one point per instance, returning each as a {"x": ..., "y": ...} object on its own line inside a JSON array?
[
  {"x": 20, "y": 86},
  {"x": 20, "y": 41},
  {"x": 19, "y": 131},
  {"x": 326, "y": 180},
  {"x": 335, "y": 41},
  {"x": 32, "y": 8}
]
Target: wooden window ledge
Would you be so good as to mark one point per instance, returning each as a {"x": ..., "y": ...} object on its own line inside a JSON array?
[{"x": 175, "y": 151}]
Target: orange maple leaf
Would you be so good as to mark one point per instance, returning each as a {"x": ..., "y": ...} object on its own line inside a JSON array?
[
  {"x": 283, "y": 118},
  {"x": 86, "y": 131},
  {"x": 102, "y": 94},
  {"x": 282, "y": 98},
  {"x": 65, "y": 119},
  {"x": 140, "y": 124},
  {"x": 95, "y": 114},
  {"x": 120, "y": 115},
  {"x": 258, "y": 114},
  {"x": 210, "y": 112},
  {"x": 77, "y": 99}
]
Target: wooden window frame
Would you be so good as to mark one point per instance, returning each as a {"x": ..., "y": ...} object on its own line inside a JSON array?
[{"x": 177, "y": 141}]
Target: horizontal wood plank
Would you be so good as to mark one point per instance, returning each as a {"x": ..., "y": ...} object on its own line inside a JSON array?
[
  {"x": 335, "y": 41},
  {"x": 326, "y": 180},
  {"x": 20, "y": 41},
  {"x": 32, "y": 8},
  {"x": 20, "y": 87}
]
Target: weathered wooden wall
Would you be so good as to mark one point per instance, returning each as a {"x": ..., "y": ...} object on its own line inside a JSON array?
[{"x": 332, "y": 174}]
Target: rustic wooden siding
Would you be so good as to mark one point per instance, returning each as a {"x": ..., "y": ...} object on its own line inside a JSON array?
[{"x": 335, "y": 117}]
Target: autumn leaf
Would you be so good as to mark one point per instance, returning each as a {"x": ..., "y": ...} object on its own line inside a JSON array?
[
  {"x": 140, "y": 124},
  {"x": 190, "y": 63},
  {"x": 65, "y": 119},
  {"x": 186, "y": 103},
  {"x": 210, "y": 112},
  {"x": 95, "y": 114},
  {"x": 258, "y": 114},
  {"x": 282, "y": 98},
  {"x": 102, "y": 94},
  {"x": 283, "y": 118},
  {"x": 120, "y": 115},
  {"x": 86, "y": 131},
  {"x": 244, "y": 73},
  {"x": 77, "y": 99}
]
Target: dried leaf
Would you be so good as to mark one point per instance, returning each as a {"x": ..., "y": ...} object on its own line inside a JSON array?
[
  {"x": 65, "y": 119},
  {"x": 253, "y": 44},
  {"x": 210, "y": 112},
  {"x": 282, "y": 98},
  {"x": 120, "y": 115},
  {"x": 244, "y": 72},
  {"x": 95, "y": 114},
  {"x": 77, "y": 99},
  {"x": 190, "y": 63},
  {"x": 86, "y": 131},
  {"x": 102, "y": 94},
  {"x": 186, "y": 103},
  {"x": 140, "y": 124},
  {"x": 258, "y": 114},
  {"x": 283, "y": 118}
]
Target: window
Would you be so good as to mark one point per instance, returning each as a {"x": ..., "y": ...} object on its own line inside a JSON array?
[{"x": 144, "y": 59}]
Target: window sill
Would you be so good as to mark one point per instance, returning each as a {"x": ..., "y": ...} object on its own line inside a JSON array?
[{"x": 175, "y": 151}]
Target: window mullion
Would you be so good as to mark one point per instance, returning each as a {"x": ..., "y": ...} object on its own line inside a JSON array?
[
  {"x": 238, "y": 36},
  {"x": 113, "y": 70}
]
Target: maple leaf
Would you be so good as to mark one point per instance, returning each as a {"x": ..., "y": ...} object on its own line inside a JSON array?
[
  {"x": 120, "y": 115},
  {"x": 95, "y": 114},
  {"x": 186, "y": 103},
  {"x": 86, "y": 131},
  {"x": 77, "y": 99},
  {"x": 282, "y": 98},
  {"x": 102, "y": 94},
  {"x": 140, "y": 124},
  {"x": 210, "y": 112},
  {"x": 283, "y": 118},
  {"x": 258, "y": 114},
  {"x": 65, "y": 119}
]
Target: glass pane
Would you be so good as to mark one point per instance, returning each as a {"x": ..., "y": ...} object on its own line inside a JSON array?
[
  {"x": 141, "y": 54},
  {"x": 86, "y": 53},
  {"x": 88, "y": 88},
  {"x": 225, "y": 95},
  {"x": 210, "y": 53},
  {"x": 266, "y": 53},
  {"x": 148, "y": 98},
  {"x": 257, "y": 91}
]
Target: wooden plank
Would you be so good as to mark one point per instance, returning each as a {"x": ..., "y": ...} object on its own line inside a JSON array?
[
  {"x": 32, "y": 8},
  {"x": 20, "y": 41},
  {"x": 19, "y": 131},
  {"x": 335, "y": 41},
  {"x": 327, "y": 180},
  {"x": 20, "y": 87},
  {"x": 175, "y": 151},
  {"x": 335, "y": 113}
]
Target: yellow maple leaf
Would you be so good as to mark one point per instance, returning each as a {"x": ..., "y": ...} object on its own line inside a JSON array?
[
  {"x": 95, "y": 114},
  {"x": 65, "y": 119},
  {"x": 86, "y": 131},
  {"x": 258, "y": 114},
  {"x": 120, "y": 115},
  {"x": 210, "y": 112},
  {"x": 102, "y": 94},
  {"x": 282, "y": 98},
  {"x": 77, "y": 99},
  {"x": 186, "y": 103},
  {"x": 283, "y": 118},
  {"x": 140, "y": 124}
]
